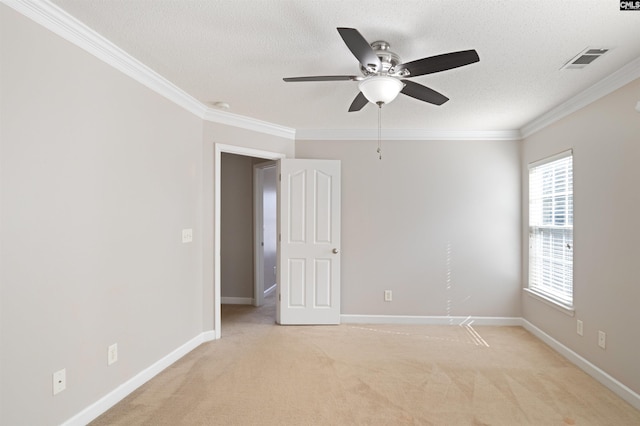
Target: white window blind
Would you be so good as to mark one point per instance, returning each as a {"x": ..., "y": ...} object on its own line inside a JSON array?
[{"x": 551, "y": 228}]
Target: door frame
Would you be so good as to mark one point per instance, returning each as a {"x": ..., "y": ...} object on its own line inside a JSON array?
[
  {"x": 258, "y": 233},
  {"x": 218, "y": 150}
]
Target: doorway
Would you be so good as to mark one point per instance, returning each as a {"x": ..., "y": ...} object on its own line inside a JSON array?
[
  {"x": 219, "y": 150},
  {"x": 238, "y": 209}
]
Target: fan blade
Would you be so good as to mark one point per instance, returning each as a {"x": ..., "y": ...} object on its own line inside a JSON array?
[
  {"x": 325, "y": 78},
  {"x": 423, "y": 93},
  {"x": 358, "y": 103},
  {"x": 439, "y": 63},
  {"x": 360, "y": 49}
]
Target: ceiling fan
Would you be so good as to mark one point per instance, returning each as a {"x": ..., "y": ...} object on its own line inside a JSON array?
[{"x": 384, "y": 76}]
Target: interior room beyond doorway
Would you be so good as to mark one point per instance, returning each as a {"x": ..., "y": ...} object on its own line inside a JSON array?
[{"x": 248, "y": 230}]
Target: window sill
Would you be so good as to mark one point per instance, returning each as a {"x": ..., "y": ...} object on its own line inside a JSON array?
[{"x": 567, "y": 310}]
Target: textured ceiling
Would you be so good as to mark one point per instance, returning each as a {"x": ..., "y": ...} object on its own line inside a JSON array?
[{"x": 237, "y": 51}]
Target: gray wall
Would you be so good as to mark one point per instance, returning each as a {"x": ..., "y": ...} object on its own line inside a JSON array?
[
  {"x": 99, "y": 175},
  {"x": 236, "y": 239},
  {"x": 605, "y": 137},
  {"x": 436, "y": 222}
]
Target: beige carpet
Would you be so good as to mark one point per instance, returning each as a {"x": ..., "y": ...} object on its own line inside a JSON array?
[{"x": 263, "y": 374}]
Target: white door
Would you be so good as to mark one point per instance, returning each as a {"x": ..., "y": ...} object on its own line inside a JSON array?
[{"x": 309, "y": 242}]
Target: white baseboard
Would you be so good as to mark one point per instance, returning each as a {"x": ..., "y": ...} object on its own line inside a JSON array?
[
  {"x": 208, "y": 336},
  {"x": 270, "y": 290},
  {"x": 597, "y": 373},
  {"x": 236, "y": 300},
  {"x": 118, "y": 394},
  {"x": 427, "y": 320}
]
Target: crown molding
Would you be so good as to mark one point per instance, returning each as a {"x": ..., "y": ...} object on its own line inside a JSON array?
[
  {"x": 607, "y": 85},
  {"x": 247, "y": 123},
  {"x": 66, "y": 26},
  {"x": 407, "y": 134}
]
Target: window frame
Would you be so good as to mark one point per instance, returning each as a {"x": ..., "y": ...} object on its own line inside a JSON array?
[{"x": 547, "y": 289}]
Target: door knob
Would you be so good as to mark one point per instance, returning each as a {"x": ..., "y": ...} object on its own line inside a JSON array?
[{"x": 336, "y": 251}]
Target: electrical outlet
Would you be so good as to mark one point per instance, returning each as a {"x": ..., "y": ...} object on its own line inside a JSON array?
[
  {"x": 602, "y": 339},
  {"x": 187, "y": 235},
  {"x": 388, "y": 296},
  {"x": 112, "y": 354},
  {"x": 579, "y": 327},
  {"x": 59, "y": 381}
]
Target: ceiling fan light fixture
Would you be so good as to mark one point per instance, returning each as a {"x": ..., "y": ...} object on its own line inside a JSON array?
[{"x": 380, "y": 88}]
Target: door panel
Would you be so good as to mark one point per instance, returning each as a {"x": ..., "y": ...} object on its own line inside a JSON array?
[
  {"x": 309, "y": 242},
  {"x": 323, "y": 283},
  {"x": 323, "y": 207},
  {"x": 297, "y": 197},
  {"x": 297, "y": 282}
]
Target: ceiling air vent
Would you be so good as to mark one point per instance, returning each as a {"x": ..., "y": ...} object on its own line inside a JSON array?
[{"x": 584, "y": 58}]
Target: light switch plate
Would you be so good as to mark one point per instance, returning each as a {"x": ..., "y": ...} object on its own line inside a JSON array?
[{"x": 187, "y": 235}]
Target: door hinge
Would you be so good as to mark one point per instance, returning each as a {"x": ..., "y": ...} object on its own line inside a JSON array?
[
  {"x": 279, "y": 297},
  {"x": 280, "y": 177},
  {"x": 280, "y": 237}
]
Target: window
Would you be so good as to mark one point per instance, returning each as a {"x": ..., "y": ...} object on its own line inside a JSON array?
[{"x": 551, "y": 228}]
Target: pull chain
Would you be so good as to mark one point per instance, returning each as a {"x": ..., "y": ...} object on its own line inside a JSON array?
[{"x": 380, "y": 130}]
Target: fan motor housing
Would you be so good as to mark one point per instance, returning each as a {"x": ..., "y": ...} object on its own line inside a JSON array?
[{"x": 388, "y": 59}]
